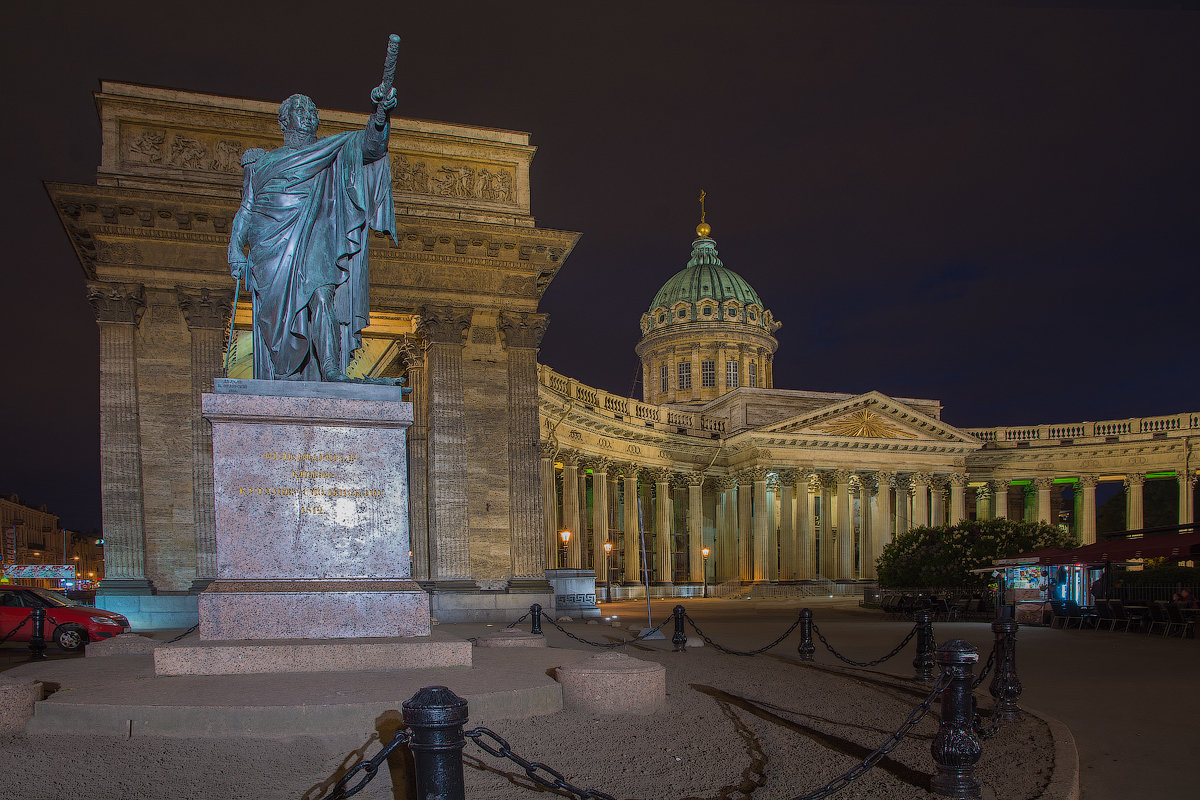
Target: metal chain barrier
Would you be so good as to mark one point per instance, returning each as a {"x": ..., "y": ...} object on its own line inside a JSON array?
[
  {"x": 556, "y": 781},
  {"x": 889, "y": 744},
  {"x": 723, "y": 649},
  {"x": 20, "y": 625},
  {"x": 185, "y": 633},
  {"x": 518, "y": 622},
  {"x": 993, "y": 726},
  {"x": 983, "y": 673},
  {"x": 621, "y": 643},
  {"x": 340, "y": 792},
  {"x": 853, "y": 663}
]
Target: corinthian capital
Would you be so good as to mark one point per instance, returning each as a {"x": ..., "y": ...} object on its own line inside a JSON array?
[
  {"x": 523, "y": 330},
  {"x": 117, "y": 302},
  {"x": 205, "y": 309},
  {"x": 444, "y": 324}
]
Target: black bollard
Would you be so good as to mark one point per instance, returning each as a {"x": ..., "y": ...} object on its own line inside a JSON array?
[
  {"x": 923, "y": 660},
  {"x": 435, "y": 717},
  {"x": 37, "y": 639},
  {"x": 956, "y": 748},
  {"x": 805, "y": 648},
  {"x": 1005, "y": 687},
  {"x": 679, "y": 639},
  {"x": 535, "y": 626}
]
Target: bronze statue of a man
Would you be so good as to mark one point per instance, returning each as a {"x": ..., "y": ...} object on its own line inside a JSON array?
[{"x": 305, "y": 211}]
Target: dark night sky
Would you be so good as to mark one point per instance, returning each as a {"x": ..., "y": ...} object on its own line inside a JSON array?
[{"x": 993, "y": 204}]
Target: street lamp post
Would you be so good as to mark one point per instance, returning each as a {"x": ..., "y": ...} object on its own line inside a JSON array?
[
  {"x": 607, "y": 572},
  {"x": 704, "y": 551},
  {"x": 565, "y": 535}
]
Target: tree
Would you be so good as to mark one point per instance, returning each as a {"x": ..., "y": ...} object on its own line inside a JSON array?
[{"x": 944, "y": 556}]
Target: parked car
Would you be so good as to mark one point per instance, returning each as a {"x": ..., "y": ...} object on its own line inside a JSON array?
[{"x": 69, "y": 624}]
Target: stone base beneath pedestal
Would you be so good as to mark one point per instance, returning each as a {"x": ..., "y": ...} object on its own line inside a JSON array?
[
  {"x": 436, "y": 651},
  {"x": 312, "y": 610}
]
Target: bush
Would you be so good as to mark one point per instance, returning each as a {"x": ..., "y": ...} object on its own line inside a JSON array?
[
  {"x": 943, "y": 557},
  {"x": 1168, "y": 575}
]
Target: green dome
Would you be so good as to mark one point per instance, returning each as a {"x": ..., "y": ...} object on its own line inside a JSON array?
[{"x": 705, "y": 277}]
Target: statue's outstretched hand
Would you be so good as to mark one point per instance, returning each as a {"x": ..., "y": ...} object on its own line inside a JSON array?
[{"x": 388, "y": 102}]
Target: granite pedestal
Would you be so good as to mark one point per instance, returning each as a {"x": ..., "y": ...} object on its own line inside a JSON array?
[{"x": 311, "y": 491}]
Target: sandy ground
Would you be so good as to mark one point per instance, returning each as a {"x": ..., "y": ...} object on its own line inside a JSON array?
[{"x": 765, "y": 727}]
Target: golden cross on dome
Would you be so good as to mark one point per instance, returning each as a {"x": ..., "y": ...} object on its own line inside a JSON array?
[{"x": 703, "y": 229}]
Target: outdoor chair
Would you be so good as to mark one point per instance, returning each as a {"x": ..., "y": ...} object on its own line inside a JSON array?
[
  {"x": 1177, "y": 618},
  {"x": 1119, "y": 615},
  {"x": 1159, "y": 616},
  {"x": 1075, "y": 614},
  {"x": 1104, "y": 615},
  {"x": 905, "y": 607},
  {"x": 941, "y": 610},
  {"x": 1058, "y": 614},
  {"x": 959, "y": 610}
]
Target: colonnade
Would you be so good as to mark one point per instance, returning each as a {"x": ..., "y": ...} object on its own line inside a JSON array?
[{"x": 766, "y": 524}]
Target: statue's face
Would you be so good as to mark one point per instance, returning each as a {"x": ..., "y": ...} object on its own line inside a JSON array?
[{"x": 302, "y": 117}]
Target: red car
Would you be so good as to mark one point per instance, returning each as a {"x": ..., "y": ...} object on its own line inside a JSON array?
[{"x": 69, "y": 624}]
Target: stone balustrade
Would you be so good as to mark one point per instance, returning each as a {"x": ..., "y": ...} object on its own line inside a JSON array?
[{"x": 1054, "y": 434}]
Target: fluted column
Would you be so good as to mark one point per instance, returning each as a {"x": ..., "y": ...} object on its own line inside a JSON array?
[
  {"x": 958, "y": 497},
  {"x": 937, "y": 501},
  {"x": 828, "y": 557},
  {"x": 1187, "y": 490},
  {"x": 787, "y": 525},
  {"x": 449, "y": 524},
  {"x": 633, "y": 534},
  {"x": 921, "y": 482},
  {"x": 599, "y": 511},
  {"x": 1044, "y": 485},
  {"x": 1134, "y": 484},
  {"x": 1000, "y": 500},
  {"x": 805, "y": 540},
  {"x": 585, "y": 521},
  {"x": 845, "y": 527},
  {"x": 727, "y": 539},
  {"x": 866, "y": 546},
  {"x": 207, "y": 314},
  {"x": 983, "y": 502},
  {"x": 412, "y": 350},
  {"x": 745, "y": 528},
  {"x": 522, "y": 333},
  {"x": 695, "y": 522},
  {"x": 903, "y": 503},
  {"x": 882, "y": 528},
  {"x": 118, "y": 308},
  {"x": 1086, "y": 485},
  {"x": 663, "y": 515},
  {"x": 762, "y": 554},
  {"x": 570, "y": 462},
  {"x": 549, "y": 492}
]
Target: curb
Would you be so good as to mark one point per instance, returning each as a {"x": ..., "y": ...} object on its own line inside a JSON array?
[{"x": 1064, "y": 778}]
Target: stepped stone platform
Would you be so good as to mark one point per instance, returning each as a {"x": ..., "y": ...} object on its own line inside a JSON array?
[
  {"x": 120, "y": 695},
  {"x": 241, "y": 657}
]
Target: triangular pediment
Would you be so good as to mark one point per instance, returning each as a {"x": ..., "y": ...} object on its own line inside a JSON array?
[{"x": 870, "y": 416}]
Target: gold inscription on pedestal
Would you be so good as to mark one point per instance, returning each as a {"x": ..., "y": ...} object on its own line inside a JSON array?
[{"x": 308, "y": 503}]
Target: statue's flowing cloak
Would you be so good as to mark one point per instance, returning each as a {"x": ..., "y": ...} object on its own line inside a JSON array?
[{"x": 309, "y": 212}]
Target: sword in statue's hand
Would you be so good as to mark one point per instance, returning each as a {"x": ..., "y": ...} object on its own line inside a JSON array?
[{"x": 384, "y": 95}]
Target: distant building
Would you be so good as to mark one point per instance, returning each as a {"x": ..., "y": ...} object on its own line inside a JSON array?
[{"x": 32, "y": 536}]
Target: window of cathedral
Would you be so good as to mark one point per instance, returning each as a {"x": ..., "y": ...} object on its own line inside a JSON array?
[
  {"x": 733, "y": 311},
  {"x": 708, "y": 373},
  {"x": 662, "y": 318},
  {"x": 682, "y": 313},
  {"x": 752, "y": 378},
  {"x": 753, "y": 316},
  {"x": 664, "y": 377},
  {"x": 731, "y": 374},
  {"x": 708, "y": 311},
  {"x": 685, "y": 374}
]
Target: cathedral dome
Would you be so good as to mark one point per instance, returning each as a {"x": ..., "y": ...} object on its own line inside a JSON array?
[
  {"x": 706, "y": 332},
  {"x": 706, "y": 291}
]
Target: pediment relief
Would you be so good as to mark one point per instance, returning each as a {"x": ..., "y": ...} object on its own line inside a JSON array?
[{"x": 870, "y": 416}]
